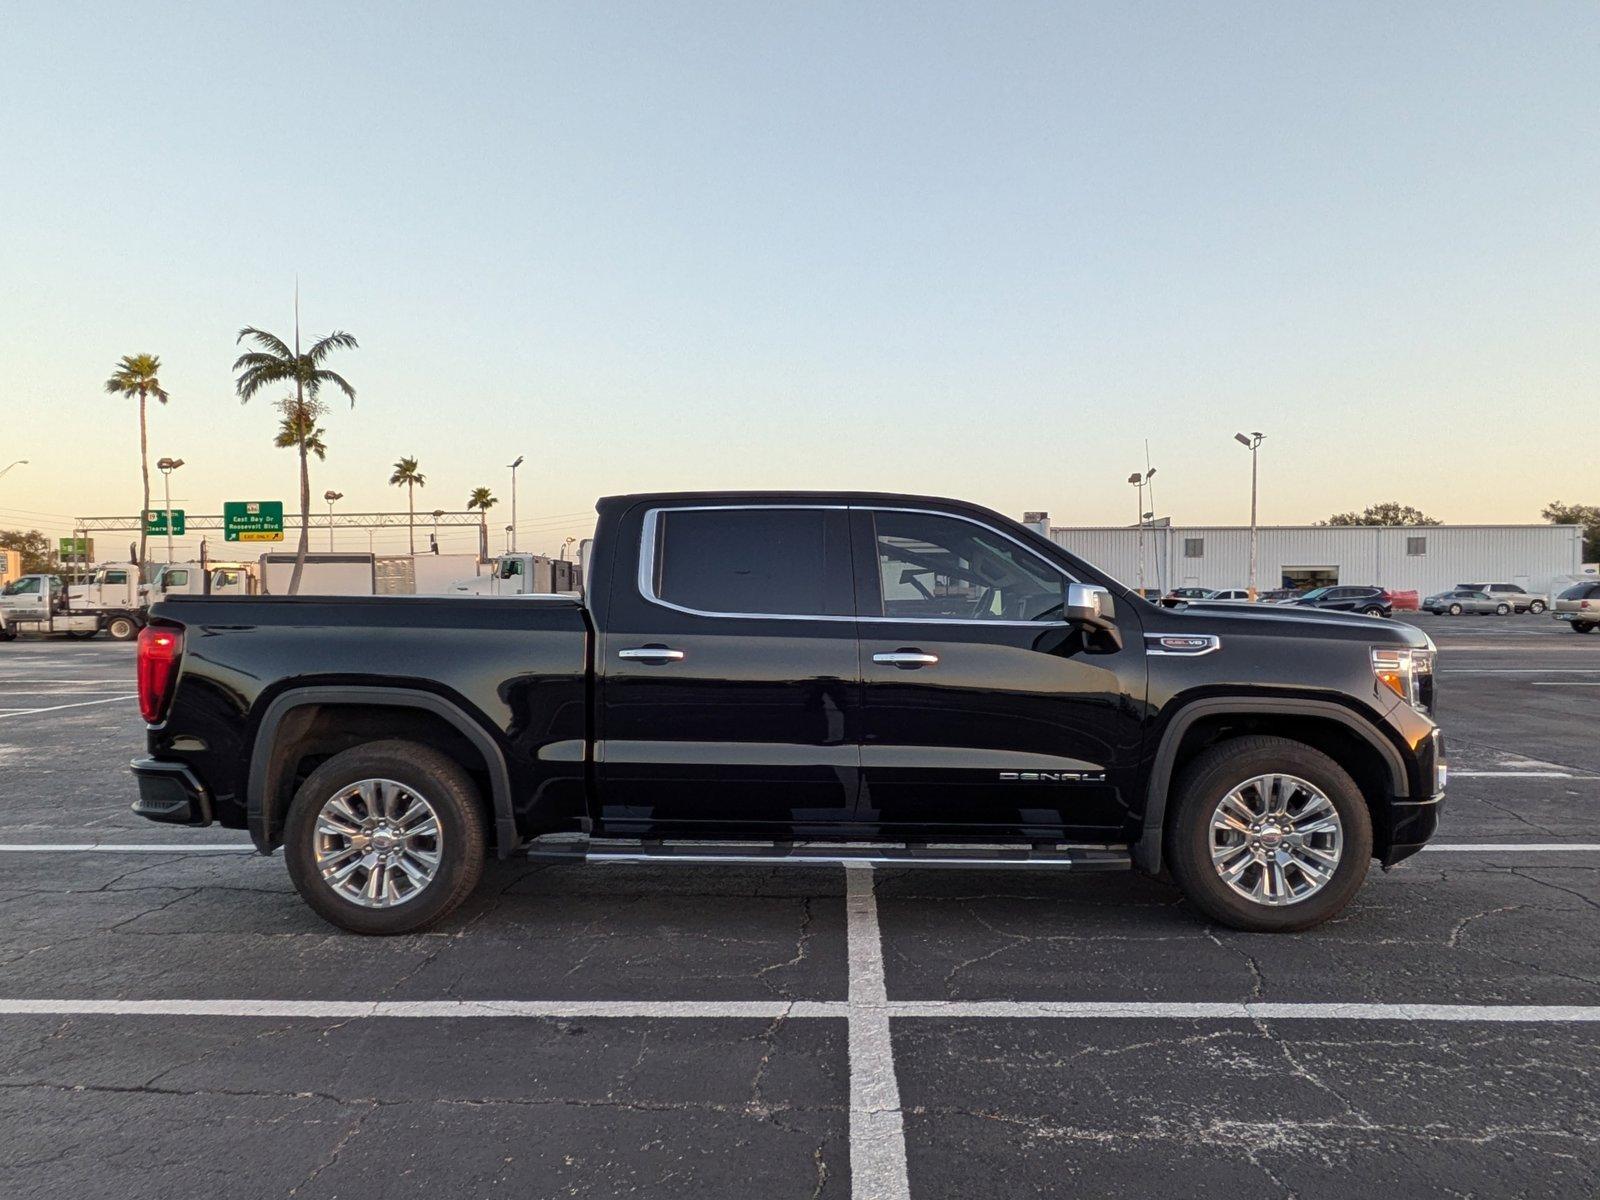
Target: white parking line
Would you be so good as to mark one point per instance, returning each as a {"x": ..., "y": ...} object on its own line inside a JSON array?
[
  {"x": 1515, "y": 847},
  {"x": 122, "y": 848},
  {"x": 1561, "y": 683},
  {"x": 1134, "y": 1010},
  {"x": 877, "y": 1128},
  {"x": 1171, "y": 1010},
  {"x": 28, "y": 712},
  {"x": 1519, "y": 670},
  {"x": 1455, "y": 774}
]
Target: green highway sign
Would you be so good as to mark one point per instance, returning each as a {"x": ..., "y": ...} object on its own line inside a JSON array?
[
  {"x": 252, "y": 521},
  {"x": 155, "y": 522},
  {"x": 80, "y": 549}
]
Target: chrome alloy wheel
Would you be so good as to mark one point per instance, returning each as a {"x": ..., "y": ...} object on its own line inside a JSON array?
[
  {"x": 1276, "y": 839},
  {"x": 378, "y": 843}
]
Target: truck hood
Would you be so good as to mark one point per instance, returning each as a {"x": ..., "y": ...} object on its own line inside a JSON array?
[{"x": 1266, "y": 620}]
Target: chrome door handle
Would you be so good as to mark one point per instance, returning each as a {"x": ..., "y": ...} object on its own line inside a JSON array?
[
  {"x": 906, "y": 658},
  {"x": 652, "y": 654}
]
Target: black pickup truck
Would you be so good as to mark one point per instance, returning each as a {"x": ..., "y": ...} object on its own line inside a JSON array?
[{"x": 795, "y": 677}]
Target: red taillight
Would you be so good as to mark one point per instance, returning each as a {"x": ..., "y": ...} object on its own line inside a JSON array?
[{"x": 160, "y": 648}]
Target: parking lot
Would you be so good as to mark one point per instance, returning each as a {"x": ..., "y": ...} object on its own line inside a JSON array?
[{"x": 176, "y": 1022}]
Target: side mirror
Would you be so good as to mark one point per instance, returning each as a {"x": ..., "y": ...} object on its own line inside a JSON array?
[
  {"x": 1090, "y": 607},
  {"x": 1087, "y": 603}
]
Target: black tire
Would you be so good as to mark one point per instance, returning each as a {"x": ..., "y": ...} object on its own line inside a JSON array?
[
  {"x": 81, "y": 635},
  {"x": 1202, "y": 786},
  {"x": 7, "y": 634},
  {"x": 1582, "y": 627},
  {"x": 1455, "y": 610},
  {"x": 121, "y": 627},
  {"x": 446, "y": 787},
  {"x": 1536, "y": 607},
  {"x": 1373, "y": 611},
  {"x": 1502, "y": 610}
]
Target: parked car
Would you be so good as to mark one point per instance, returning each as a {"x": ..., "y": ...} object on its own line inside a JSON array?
[
  {"x": 1279, "y": 595},
  {"x": 1373, "y": 601},
  {"x": 1580, "y": 605},
  {"x": 796, "y": 677},
  {"x": 1519, "y": 598},
  {"x": 1465, "y": 600},
  {"x": 1183, "y": 595},
  {"x": 1230, "y": 594}
]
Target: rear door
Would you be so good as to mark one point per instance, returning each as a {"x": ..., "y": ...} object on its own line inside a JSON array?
[
  {"x": 983, "y": 711},
  {"x": 728, "y": 671}
]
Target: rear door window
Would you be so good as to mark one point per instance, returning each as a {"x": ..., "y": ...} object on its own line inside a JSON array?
[{"x": 754, "y": 561}]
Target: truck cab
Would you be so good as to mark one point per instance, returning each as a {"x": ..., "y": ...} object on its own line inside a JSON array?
[{"x": 523, "y": 575}]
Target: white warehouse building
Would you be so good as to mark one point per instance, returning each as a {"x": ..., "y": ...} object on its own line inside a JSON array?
[{"x": 1420, "y": 558}]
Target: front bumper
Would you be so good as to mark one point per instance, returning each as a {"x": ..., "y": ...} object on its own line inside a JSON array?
[
  {"x": 169, "y": 793},
  {"x": 1412, "y": 821},
  {"x": 1411, "y": 824}
]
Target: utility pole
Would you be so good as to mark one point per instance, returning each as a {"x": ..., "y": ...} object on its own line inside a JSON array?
[
  {"x": 513, "y": 526},
  {"x": 1252, "y": 443}
]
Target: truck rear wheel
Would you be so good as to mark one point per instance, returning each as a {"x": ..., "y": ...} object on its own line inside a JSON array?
[
  {"x": 1268, "y": 834},
  {"x": 385, "y": 838}
]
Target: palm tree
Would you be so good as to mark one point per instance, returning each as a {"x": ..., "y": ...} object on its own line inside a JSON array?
[
  {"x": 301, "y": 429},
  {"x": 407, "y": 476},
  {"x": 139, "y": 375},
  {"x": 273, "y": 362},
  {"x": 483, "y": 500}
]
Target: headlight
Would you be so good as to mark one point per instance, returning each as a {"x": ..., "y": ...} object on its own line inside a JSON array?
[{"x": 1407, "y": 673}]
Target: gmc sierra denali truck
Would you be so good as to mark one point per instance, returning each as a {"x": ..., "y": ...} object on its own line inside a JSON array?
[{"x": 794, "y": 677}]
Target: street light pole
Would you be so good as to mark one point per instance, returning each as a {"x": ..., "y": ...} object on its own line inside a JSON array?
[
  {"x": 167, "y": 466},
  {"x": 330, "y": 496},
  {"x": 1138, "y": 482},
  {"x": 1252, "y": 442},
  {"x": 513, "y": 525},
  {"x": 21, "y": 462}
]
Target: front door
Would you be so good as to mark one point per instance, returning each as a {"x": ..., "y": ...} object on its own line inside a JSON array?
[
  {"x": 728, "y": 673},
  {"x": 983, "y": 712}
]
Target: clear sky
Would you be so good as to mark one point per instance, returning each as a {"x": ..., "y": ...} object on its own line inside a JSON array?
[{"x": 980, "y": 250}]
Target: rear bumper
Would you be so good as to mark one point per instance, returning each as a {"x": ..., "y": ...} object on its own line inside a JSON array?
[{"x": 169, "y": 793}]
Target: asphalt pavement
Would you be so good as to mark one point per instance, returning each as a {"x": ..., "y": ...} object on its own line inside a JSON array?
[{"x": 175, "y": 1022}]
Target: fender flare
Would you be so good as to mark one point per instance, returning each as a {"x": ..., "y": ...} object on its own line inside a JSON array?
[
  {"x": 262, "y": 787},
  {"x": 1147, "y": 851}
]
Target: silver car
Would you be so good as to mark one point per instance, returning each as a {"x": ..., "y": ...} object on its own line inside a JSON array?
[
  {"x": 1520, "y": 599},
  {"x": 1579, "y": 604},
  {"x": 1463, "y": 600}
]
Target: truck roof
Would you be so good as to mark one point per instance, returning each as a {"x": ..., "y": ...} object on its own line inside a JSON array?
[{"x": 783, "y": 496}]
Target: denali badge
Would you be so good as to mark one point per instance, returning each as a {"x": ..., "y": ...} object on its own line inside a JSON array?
[
  {"x": 1052, "y": 776},
  {"x": 1188, "y": 645}
]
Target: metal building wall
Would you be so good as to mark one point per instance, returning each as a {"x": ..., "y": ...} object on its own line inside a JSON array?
[{"x": 1529, "y": 555}]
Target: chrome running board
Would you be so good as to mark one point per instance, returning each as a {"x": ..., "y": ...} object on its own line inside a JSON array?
[{"x": 886, "y": 854}]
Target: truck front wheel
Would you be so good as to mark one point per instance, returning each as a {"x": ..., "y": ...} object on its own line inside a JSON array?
[
  {"x": 1268, "y": 834},
  {"x": 385, "y": 838},
  {"x": 122, "y": 628}
]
